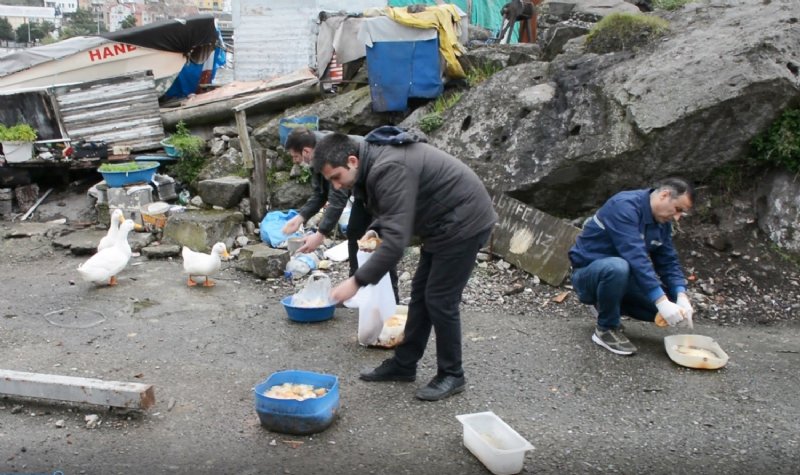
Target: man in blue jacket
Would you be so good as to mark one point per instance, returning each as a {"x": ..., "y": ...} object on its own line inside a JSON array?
[
  {"x": 415, "y": 189},
  {"x": 623, "y": 262}
]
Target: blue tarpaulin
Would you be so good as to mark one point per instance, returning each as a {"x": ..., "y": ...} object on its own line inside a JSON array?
[{"x": 192, "y": 74}]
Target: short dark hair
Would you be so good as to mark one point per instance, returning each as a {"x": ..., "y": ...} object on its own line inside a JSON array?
[
  {"x": 677, "y": 186},
  {"x": 333, "y": 149},
  {"x": 300, "y": 138}
]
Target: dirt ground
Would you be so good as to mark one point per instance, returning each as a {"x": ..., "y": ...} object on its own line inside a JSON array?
[{"x": 527, "y": 358}]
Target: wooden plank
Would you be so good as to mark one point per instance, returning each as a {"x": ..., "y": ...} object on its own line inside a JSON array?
[
  {"x": 35, "y": 205},
  {"x": 272, "y": 94},
  {"x": 74, "y": 389},
  {"x": 532, "y": 240}
]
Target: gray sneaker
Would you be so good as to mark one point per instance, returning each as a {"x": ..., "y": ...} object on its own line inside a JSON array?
[{"x": 614, "y": 341}]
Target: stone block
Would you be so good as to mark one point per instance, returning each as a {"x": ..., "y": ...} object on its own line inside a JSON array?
[
  {"x": 130, "y": 197},
  {"x": 263, "y": 261},
  {"x": 225, "y": 192},
  {"x": 201, "y": 229},
  {"x": 161, "y": 252}
]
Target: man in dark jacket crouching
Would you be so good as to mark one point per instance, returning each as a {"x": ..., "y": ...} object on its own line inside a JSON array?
[{"x": 415, "y": 189}]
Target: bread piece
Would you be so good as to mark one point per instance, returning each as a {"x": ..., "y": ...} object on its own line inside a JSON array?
[{"x": 370, "y": 243}]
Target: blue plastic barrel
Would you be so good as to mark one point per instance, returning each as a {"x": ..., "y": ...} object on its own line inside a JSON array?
[{"x": 286, "y": 125}]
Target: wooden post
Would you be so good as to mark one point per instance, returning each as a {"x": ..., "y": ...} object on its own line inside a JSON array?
[
  {"x": 257, "y": 162},
  {"x": 74, "y": 389},
  {"x": 258, "y": 186},
  {"x": 257, "y": 167}
]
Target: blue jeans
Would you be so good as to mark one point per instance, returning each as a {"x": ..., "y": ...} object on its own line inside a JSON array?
[{"x": 609, "y": 286}]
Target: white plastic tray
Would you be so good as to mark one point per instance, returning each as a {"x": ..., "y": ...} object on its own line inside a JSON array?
[
  {"x": 499, "y": 447},
  {"x": 695, "y": 351}
]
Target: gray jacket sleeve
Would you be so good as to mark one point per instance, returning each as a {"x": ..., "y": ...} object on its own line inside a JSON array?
[
  {"x": 318, "y": 197},
  {"x": 394, "y": 189}
]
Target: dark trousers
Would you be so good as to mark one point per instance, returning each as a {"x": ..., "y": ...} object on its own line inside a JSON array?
[
  {"x": 360, "y": 220},
  {"x": 435, "y": 298}
]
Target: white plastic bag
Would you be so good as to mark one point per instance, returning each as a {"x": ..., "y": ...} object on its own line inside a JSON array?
[
  {"x": 375, "y": 305},
  {"x": 316, "y": 292}
]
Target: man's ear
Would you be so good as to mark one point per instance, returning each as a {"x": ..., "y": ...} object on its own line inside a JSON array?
[{"x": 352, "y": 161}]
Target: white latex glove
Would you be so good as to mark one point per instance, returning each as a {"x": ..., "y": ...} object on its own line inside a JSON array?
[
  {"x": 670, "y": 311},
  {"x": 688, "y": 311}
]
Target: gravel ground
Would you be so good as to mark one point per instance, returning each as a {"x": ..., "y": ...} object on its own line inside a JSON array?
[{"x": 528, "y": 358}]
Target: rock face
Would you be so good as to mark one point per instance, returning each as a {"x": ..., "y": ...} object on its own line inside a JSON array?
[
  {"x": 778, "y": 209},
  {"x": 565, "y": 135},
  {"x": 349, "y": 113}
]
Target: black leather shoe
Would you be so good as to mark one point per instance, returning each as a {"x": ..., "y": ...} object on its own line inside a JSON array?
[
  {"x": 441, "y": 387},
  {"x": 389, "y": 371}
]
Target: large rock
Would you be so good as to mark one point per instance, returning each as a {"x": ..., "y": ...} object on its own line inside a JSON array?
[
  {"x": 500, "y": 55},
  {"x": 778, "y": 209},
  {"x": 225, "y": 192},
  {"x": 81, "y": 242},
  {"x": 200, "y": 230},
  {"x": 690, "y": 104},
  {"x": 229, "y": 163},
  {"x": 289, "y": 195},
  {"x": 264, "y": 261},
  {"x": 349, "y": 113}
]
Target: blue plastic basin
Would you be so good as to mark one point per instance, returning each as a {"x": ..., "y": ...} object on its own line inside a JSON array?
[
  {"x": 307, "y": 314},
  {"x": 286, "y": 125},
  {"x": 290, "y": 416},
  {"x": 170, "y": 149},
  {"x": 143, "y": 174}
]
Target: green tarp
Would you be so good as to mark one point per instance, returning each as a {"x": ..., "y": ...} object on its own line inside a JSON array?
[{"x": 485, "y": 13}]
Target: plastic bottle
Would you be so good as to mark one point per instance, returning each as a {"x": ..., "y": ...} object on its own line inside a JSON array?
[{"x": 300, "y": 265}]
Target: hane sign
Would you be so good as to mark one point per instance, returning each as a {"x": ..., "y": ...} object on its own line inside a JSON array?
[{"x": 99, "y": 54}]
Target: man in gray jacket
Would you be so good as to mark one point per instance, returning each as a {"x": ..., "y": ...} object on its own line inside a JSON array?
[
  {"x": 415, "y": 189},
  {"x": 300, "y": 144}
]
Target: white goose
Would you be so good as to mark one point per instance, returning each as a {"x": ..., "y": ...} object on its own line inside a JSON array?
[
  {"x": 117, "y": 217},
  {"x": 198, "y": 263},
  {"x": 106, "y": 264}
]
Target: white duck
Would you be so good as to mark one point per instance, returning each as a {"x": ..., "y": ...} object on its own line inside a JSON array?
[
  {"x": 198, "y": 263},
  {"x": 117, "y": 217},
  {"x": 106, "y": 264}
]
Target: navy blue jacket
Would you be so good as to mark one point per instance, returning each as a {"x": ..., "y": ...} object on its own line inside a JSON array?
[{"x": 624, "y": 227}]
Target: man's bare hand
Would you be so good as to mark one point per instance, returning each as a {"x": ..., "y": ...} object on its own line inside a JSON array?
[
  {"x": 345, "y": 290},
  {"x": 310, "y": 243},
  {"x": 292, "y": 225}
]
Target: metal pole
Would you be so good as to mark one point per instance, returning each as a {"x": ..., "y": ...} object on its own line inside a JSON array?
[{"x": 28, "y": 22}]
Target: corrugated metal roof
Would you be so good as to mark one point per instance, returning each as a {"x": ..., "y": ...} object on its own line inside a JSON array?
[
  {"x": 276, "y": 37},
  {"x": 120, "y": 111}
]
